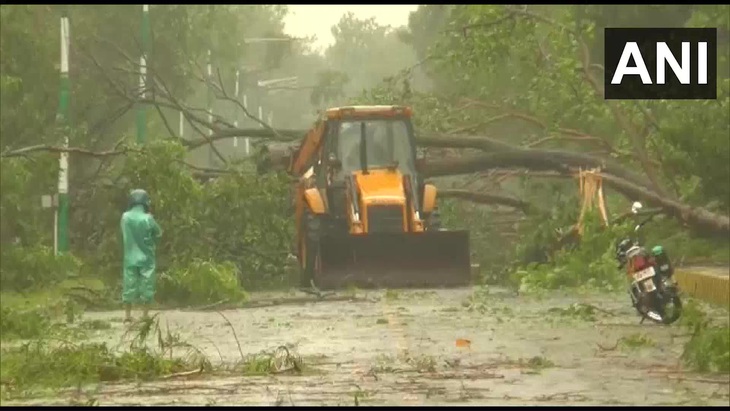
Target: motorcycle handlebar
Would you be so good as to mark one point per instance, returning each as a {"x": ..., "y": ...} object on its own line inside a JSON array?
[{"x": 641, "y": 224}]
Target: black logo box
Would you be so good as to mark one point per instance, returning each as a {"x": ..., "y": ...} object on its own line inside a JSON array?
[{"x": 631, "y": 87}]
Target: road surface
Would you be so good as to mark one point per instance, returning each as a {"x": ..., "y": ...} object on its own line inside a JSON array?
[{"x": 401, "y": 348}]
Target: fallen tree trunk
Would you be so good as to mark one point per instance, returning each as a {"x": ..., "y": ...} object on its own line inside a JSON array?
[
  {"x": 508, "y": 159},
  {"x": 487, "y": 198},
  {"x": 501, "y": 153},
  {"x": 566, "y": 158},
  {"x": 703, "y": 220},
  {"x": 226, "y": 133},
  {"x": 697, "y": 217}
]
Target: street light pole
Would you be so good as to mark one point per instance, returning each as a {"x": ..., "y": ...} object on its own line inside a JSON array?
[
  {"x": 235, "y": 112},
  {"x": 257, "y": 91},
  {"x": 141, "y": 107},
  {"x": 246, "y": 141},
  {"x": 63, "y": 204},
  {"x": 210, "y": 107}
]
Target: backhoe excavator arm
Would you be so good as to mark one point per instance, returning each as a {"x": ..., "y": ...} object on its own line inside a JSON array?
[{"x": 302, "y": 158}]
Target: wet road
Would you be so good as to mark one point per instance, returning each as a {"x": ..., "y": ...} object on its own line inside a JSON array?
[{"x": 401, "y": 348}]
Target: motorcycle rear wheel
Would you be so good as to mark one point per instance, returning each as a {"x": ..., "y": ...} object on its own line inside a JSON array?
[{"x": 676, "y": 303}]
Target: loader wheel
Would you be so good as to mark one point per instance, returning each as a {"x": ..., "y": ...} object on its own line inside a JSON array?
[
  {"x": 312, "y": 228},
  {"x": 433, "y": 221}
]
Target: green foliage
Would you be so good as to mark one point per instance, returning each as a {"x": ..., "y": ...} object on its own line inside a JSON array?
[
  {"x": 239, "y": 218},
  {"x": 24, "y": 268},
  {"x": 485, "y": 232},
  {"x": 270, "y": 362},
  {"x": 109, "y": 35},
  {"x": 708, "y": 350},
  {"x": 424, "y": 27},
  {"x": 105, "y": 46},
  {"x": 25, "y": 77},
  {"x": 583, "y": 312},
  {"x": 200, "y": 282},
  {"x": 590, "y": 263},
  {"x": 330, "y": 87},
  {"x": 23, "y": 324},
  {"x": 683, "y": 246},
  {"x": 367, "y": 52},
  {"x": 22, "y": 218},
  {"x": 249, "y": 221},
  {"x": 636, "y": 341},
  {"x": 537, "y": 363},
  {"x": 218, "y": 236},
  {"x": 532, "y": 60},
  {"x": 41, "y": 363},
  {"x": 540, "y": 236},
  {"x": 702, "y": 164}
]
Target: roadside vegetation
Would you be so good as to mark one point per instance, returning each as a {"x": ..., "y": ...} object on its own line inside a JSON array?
[{"x": 57, "y": 356}]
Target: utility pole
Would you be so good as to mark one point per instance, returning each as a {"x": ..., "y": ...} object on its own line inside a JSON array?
[
  {"x": 63, "y": 206},
  {"x": 246, "y": 141},
  {"x": 210, "y": 108},
  {"x": 235, "y": 109},
  {"x": 257, "y": 92},
  {"x": 142, "y": 107}
]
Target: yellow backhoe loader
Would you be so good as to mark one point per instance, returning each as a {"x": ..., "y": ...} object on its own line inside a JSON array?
[{"x": 364, "y": 215}]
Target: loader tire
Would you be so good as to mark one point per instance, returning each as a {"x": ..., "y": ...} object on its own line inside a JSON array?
[
  {"x": 312, "y": 231},
  {"x": 433, "y": 221}
]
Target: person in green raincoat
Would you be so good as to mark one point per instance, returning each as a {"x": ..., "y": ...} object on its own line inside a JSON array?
[{"x": 140, "y": 234}]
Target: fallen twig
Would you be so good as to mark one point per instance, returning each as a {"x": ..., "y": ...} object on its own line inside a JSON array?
[
  {"x": 602, "y": 348},
  {"x": 703, "y": 380},
  {"x": 601, "y": 310},
  {"x": 288, "y": 358},
  {"x": 575, "y": 396},
  {"x": 283, "y": 370},
  {"x": 183, "y": 373},
  {"x": 209, "y": 306},
  {"x": 169, "y": 389},
  {"x": 240, "y": 350},
  {"x": 297, "y": 301}
]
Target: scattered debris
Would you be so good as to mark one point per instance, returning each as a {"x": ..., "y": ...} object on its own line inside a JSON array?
[{"x": 463, "y": 343}]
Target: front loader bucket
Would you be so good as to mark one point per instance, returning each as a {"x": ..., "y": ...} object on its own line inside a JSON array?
[{"x": 430, "y": 259}]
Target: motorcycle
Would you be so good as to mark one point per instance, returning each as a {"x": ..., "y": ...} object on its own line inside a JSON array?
[{"x": 654, "y": 293}]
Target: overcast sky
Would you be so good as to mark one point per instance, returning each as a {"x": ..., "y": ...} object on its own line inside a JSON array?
[{"x": 307, "y": 20}]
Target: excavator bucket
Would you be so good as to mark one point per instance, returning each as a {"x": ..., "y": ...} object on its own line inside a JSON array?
[{"x": 432, "y": 259}]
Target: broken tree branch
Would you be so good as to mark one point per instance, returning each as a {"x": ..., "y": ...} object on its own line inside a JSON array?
[
  {"x": 26, "y": 150},
  {"x": 487, "y": 198}
]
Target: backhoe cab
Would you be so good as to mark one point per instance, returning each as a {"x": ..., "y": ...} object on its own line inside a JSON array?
[{"x": 364, "y": 215}]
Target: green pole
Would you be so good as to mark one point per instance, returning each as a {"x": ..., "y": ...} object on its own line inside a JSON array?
[
  {"x": 142, "y": 107},
  {"x": 211, "y": 159},
  {"x": 63, "y": 204},
  {"x": 235, "y": 111}
]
